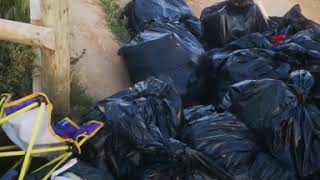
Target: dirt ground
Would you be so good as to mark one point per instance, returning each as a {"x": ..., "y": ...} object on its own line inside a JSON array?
[{"x": 101, "y": 71}]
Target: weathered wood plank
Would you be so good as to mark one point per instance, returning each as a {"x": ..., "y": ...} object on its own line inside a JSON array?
[
  {"x": 35, "y": 18},
  {"x": 56, "y": 66},
  {"x": 28, "y": 34}
]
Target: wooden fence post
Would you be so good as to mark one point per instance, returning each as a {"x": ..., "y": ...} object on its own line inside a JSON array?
[
  {"x": 35, "y": 18},
  {"x": 56, "y": 64}
]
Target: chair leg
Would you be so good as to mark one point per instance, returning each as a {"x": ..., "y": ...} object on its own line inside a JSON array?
[
  {"x": 17, "y": 164},
  {"x": 8, "y": 148},
  {"x": 2, "y": 102},
  {"x": 35, "y": 151},
  {"x": 64, "y": 159},
  {"x": 57, "y": 159},
  {"x": 26, "y": 161}
]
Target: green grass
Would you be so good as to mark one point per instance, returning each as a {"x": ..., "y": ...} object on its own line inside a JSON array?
[
  {"x": 15, "y": 69},
  {"x": 81, "y": 102},
  {"x": 115, "y": 24},
  {"x": 16, "y": 64},
  {"x": 15, "y": 60},
  {"x": 17, "y": 10}
]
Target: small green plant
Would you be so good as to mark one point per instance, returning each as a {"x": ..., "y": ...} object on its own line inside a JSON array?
[
  {"x": 17, "y": 10},
  {"x": 81, "y": 102},
  {"x": 15, "y": 60},
  {"x": 116, "y": 25},
  {"x": 16, "y": 69}
]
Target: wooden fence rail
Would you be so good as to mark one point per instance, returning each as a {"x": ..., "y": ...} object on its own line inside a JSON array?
[
  {"x": 28, "y": 34},
  {"x": 48, "y": 31}
]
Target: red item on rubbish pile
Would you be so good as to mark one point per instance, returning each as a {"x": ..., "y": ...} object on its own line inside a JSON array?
[{"x": 279, "y": 39}]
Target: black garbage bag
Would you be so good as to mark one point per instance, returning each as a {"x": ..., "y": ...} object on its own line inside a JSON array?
[
  {"x": 315, "y": 91},
  {"x": 88, "y": 172},
  {"x": 122, "y": 157},
  {"x": 308, "y": 39},
  {"x": 304, "y": 47},
  {"x": 156, "y": 91},
  {"x": 231, "y": 144},
  {"x": 193, "y": 25},
  {"x": 140, "y": 13},
  {"x": 253, "y": 40},
  {"x": 146, "y": 10},
  {"x": 291, "y": 23},
  {"x": 283, "y": 116},
  {"x": 81, "y": 169},
  {"x": 226, "y": 68},
  {"x": 229, "y": 20},
  {"x": 160, "y": 172},
  {"x": 141, "y": 126},
  {"x": 165, "y": 48}
]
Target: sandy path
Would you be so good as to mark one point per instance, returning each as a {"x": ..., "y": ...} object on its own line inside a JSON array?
[{"x": 100, "y": 70}]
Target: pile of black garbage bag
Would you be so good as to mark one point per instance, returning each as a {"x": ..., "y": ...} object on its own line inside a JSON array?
[
  {"x": 166, "y": 40},
  {"x": 232, "y": 96}
]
